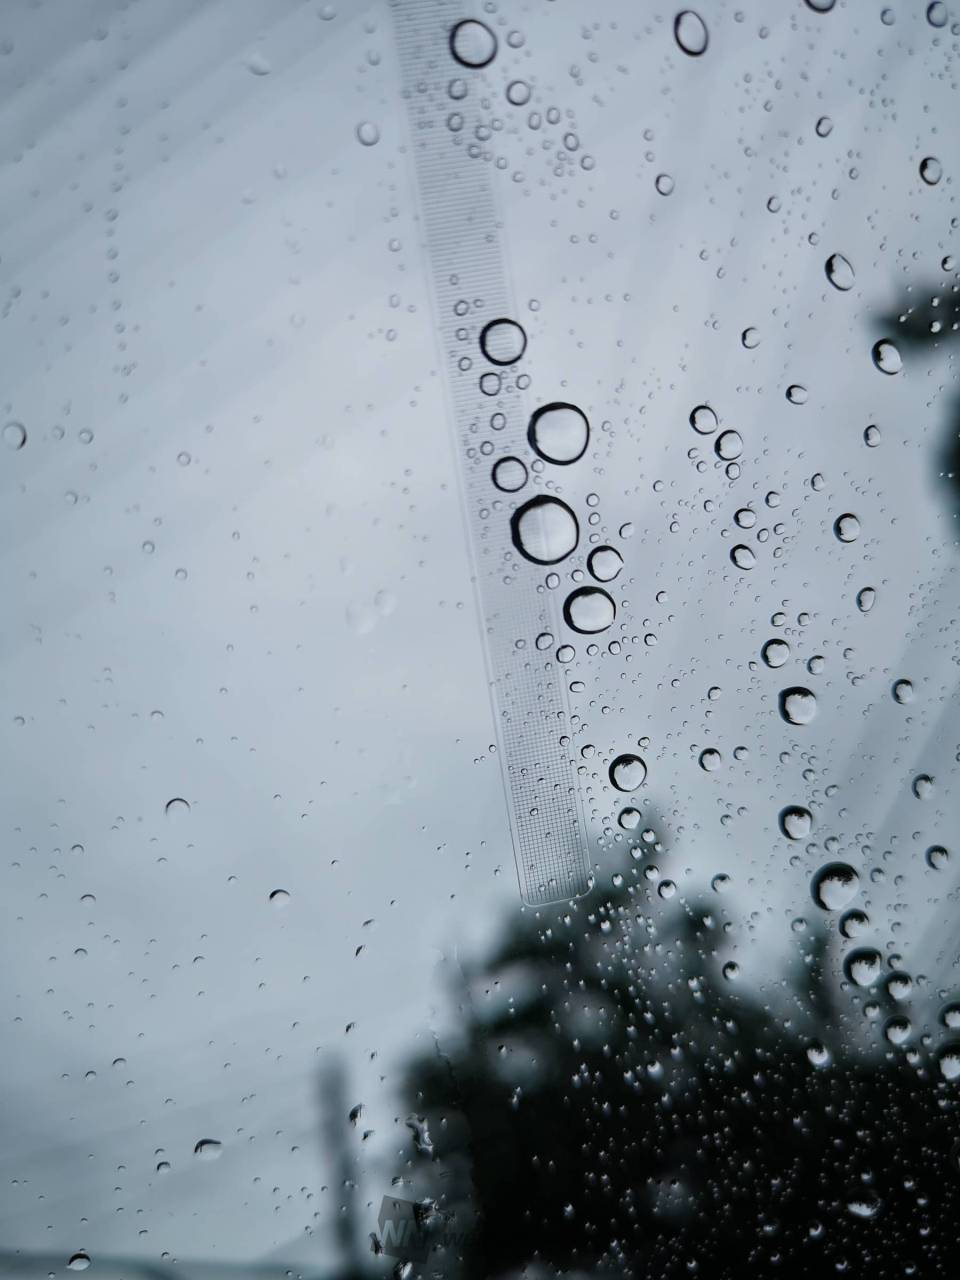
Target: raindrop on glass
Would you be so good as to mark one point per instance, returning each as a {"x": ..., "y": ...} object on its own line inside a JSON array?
[
  {"x": 728, "y": 445},
  {"x": 903, "y": 691},
  {"x": 627, "y": 772},
  {"x": 846, "y": 528},
  {"x": 931, "y": 170},
  {"x": 368, "y": 133},
  {"x": 589, "y": 610},
  {"x": 14, "y": 436},
  {"x": 690, "y": 33},
  {"x": 509, "y": 475},
  {"x": 839, "y": 272},
  {"x": 208, "y": 1149},
  {"x": 797, "y": 705},
  {"x": 559, "y": 433},
  {"x": 796, "y": 822},
  {"x": 775, "y": 653},
  {"x": 743, "y": 557},
  {"x": 473, "y": 44},
  {"x": 886, "y": 357},
  {"x": 503, "y": 341},
  {"x": 704, "y": 420},
  {"x": 863, "y": 966},
  {"x": 605, "y": 563},
  {"x": 176, "y": 808},
  {"x": 834, "y": 886},
  {"x": 544, "y": 530},
  {"x": 937, "y": 857},
  {"x": 79, "y": 1261}
]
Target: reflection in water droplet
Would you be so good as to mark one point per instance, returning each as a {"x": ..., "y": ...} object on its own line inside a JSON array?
[
  {"x": 949, "y": 1061},
  {"x": 898, "y": 1029},
  {"x": 503, "y": 341},
  {"x": 743, "y": 557},
  {"x": 208, "y": 1149},
  {"x": 472, "y": 43},
  {"x": 886, "y": 357},
  {"x": 854, "y": 924},
  {"x": 866, "y": 599},
  {"x": 690, "y": 33},
  {"x": 710, "y": 760},
  {"x": 79, "y": 1261},
  {"x": 559, "y": 433},
  {"x": 923, "y": 786},
  {"x": 544, "y": 530},
  {"x": 950, "y": 1016},
  {"x": 703, "y": 419},
  {"x": 931, "y": 170},
  {"x": 589, "y": 610},
  {"x": 846, "y": 527},
  {"x": 797, "y": 705},
  {"x": 605, "y": 563},
  {"x": 731, "y": 971},
  {"x": 865, "y": 1205},
  {"x": 863, "y": 966},
  {"x": 775, "y": 653},
  {"x": 176, "y": 808},
  {"x": 937, "y": 857},
  {"x": 871, "y": 436},
  {"x": 14, "y": 435},
  {"x": 368, "y": 133},
  {"x": 834, "y": 886},
  {"x": 797, "y": 394},
  {"x": 839, "y": 272},
  {"x": 902, "y": 691},
  {"x": 818, "y": 1054},
  {"x": 750, "y": 338},
  {"x": 509, "y": 475},
  {"x": 629, "y": 818},
  {"x": 796, "y": 822},
  {"x": 627, "y": 772},
  {"x": 728, "y": 445}
]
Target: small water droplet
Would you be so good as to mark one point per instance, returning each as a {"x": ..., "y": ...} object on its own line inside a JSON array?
[
  {"x": 559, "y": 433},
  {"x": 14, "y": 436},
  {"x": 79, "y": 1261},
  {"x": 629, "y": 818},
  {"x": 871, "y": 436},
  {"x": 775, "y": 653},
  {"x": 902, "y": 691},
  {"x": 937, "y": 14},
  {"x": 923, "y": 786},
  {"x": 176, "y": 808},
  {"x": 257, "y": 64},
  {"x": 854, "y": 923},
  {"x": 279, "y": 898},
  {"x": 839, "y": 272},
  {"x": 866, "y": 599},
  {"x": 728, "y": 445},
  {"x": 797, "y": 394},
  {"x": 544, "y": 530},
  {"x": 937, "y": 857},
  {"x": 824, "y": 127},
  {"x": 664, "y": 184},
  {"x": 518, "y": 93},
  {"x": 627, "y": 772},
  {"x": 821, "y": 6},
  {"x": 589, "y": 610},
  {"x": 690, "y": 33},
  {"x": 368, "y": 133},
  {"x": 949, "y": 1061},
  {"x": 750, "y": 338},
  {"x": 472, "y": 43},
  {"x": 710, "y": 760}
]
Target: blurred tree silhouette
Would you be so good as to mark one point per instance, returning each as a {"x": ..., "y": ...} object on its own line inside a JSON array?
[{"x": 619, "y": 1101}]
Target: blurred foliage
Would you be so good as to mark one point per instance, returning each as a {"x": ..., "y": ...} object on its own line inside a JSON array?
[{"x": 621, "y": 1100}]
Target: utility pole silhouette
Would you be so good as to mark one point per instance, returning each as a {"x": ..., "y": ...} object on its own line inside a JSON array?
[{"x": 335, "y": 1137}]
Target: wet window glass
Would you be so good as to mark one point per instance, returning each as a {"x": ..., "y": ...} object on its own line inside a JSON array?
[{"x": 480, "y": 576}]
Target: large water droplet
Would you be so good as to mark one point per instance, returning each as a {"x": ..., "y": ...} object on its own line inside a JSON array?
[
  {"x": 834, "y": 886},
  {"x": 627, "y": 772},
  {"x": 589, "y": 610},
  {"x": 690, "y": 33},
  {"x": 863, "y": 966},
  {"x": 886, "y": 357},
  {"x": 208, "y": 1149},
  {"x": 710, "y": 760},
  {"x": 898, "y": 1029},
  {"x": 855, "y": 923},
  {"x": 937, "y": 857},
  {"x": 509, "y": 475},
  {"x": 840, "y": 272},
  {"x": 796, "y": 822},
  {"x": 368, "y": 133},
  {"x": 821, "y": 6},
  {"x": 937, "y": 14},
  {"x": 473, "y": 44},
  {"x": 605, "y": 563},
  {"x": 14, "y": 435},
  {"x": 866, "y": 599},
  {"x": 797, "y": 705},
  {"x": 176, "y": 808},
  {"x": 503, "y": 341},
  {"x": 728, "y": 445},
  {"x": 775, "y": 652},
  {"x": 931, "y": 170},
  {"x": 79, "y": 1261},
  {"x": 544, "y": 530},
  {"x": 559, "y": 433},
  {"x": 949, "y": 1061},
  {"x": 923, "y": 786},
  {"x": 903, "y": 691},
  {"x": 742, "y": 556},
  {"x": 846, "y": 527},
  {"x": 704, "y": 420},
  {"x": 279, "y": 898}
]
